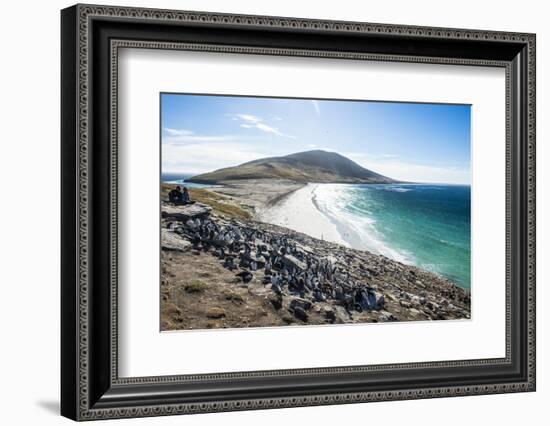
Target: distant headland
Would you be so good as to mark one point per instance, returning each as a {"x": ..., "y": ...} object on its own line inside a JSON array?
[{"x": 315, "y": 166}]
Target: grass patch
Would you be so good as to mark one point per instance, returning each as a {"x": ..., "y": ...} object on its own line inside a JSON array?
[
  {"x": 232, "y": 296},
  {"x": 220, "y": 204},
  {"x": 195, "y": 286}
]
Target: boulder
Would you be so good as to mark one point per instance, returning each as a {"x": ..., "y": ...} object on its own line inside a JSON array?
[
  {"x": 386, "y": 317},
  {"x": 329, "y": 314},
  {"x": 292, "y": 262},
  {"x": 299, "y": 303},
  {"x": 405, "y": 304},
  {"x": 172, "y": 241},
  {"x": 185, "y": 212},
  {"x": 286, "y": 317},
  {"x": 215, "y": 312},
  {"x": 276, "y": 300},
  {"x": 300, "y": 314}
]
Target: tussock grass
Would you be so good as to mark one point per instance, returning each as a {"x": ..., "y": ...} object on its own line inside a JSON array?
[
  {"x": 195, "y": 286},
  {"x": 220, "y": 204}
]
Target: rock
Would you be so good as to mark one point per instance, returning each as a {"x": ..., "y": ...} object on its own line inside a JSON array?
[
  {"x": 215, "y": 313},
  {"x": 330, "y": 314},
  {"x": 186, "y": 212},
  {"x": 291, "y": 261},
  {"x": 287, "y": 318},
  {"x": 276, "y": 300},
  {"x": 420, "y": 284},
  {"x": 380, "y": 302},
  {"x": 373, "y": 271},
  {"x": 405, "y": 304},
  {"x": 172, "y": 309},
  {"x": 233, "y": 296},
  {"x": 300, "y": 314},
  {"x": 299, "y": 303},
  {"x": 386, "y": 317},
  {"x": 172, "y": 241},
  {"x": 391, "y": 297}
]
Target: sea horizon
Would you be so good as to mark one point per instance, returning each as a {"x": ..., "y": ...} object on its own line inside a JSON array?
[{"x": 177, "y": 177}]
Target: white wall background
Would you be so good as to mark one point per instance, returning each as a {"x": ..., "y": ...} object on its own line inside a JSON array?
[{"x": 29, "y": 213}]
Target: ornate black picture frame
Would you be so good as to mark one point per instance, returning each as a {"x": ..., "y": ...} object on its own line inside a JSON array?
[{"x": 91, "y": 37}]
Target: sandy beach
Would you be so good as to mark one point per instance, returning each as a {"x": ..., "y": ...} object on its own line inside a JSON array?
[{"x": 299, "y": 213}]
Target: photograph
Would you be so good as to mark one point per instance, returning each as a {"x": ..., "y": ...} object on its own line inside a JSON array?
[
  {"x": 291, "y": 211},
  {"x": 238, "y": 181}
]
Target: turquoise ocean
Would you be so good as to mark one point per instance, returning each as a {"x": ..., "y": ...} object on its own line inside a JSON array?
[{"x": 427, "y": 225}]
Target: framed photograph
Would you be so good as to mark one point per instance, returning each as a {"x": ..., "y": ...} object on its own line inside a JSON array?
[{"x": 263, "y": 212}]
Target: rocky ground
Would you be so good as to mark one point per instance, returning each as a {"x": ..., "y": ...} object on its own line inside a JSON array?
[{"x": 223, "y": 269}]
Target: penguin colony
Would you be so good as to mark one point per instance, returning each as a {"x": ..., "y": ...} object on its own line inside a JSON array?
[{"x": 315, "y": 281}]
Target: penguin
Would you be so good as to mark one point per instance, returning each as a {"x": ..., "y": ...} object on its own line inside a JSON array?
[
  {"x": 267, "y": 269},
  {"x": 229, "y": 263},
  {"x": 319, "y": 296},
  {"x": 246, "y": 276},
  {"x": 244, "y": 262},
  {"x": 196, "y": 240}
]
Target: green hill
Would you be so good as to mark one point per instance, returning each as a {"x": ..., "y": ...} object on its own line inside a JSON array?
[{"x": 310, "y": 166}]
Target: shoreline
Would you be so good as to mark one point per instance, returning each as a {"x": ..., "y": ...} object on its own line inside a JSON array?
[
  {"x": 294, "y": 206},
  {"x": 210, "y": 281},
  {"x": 301, "y": 211}
]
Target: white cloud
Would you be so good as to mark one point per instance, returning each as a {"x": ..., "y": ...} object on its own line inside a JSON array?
[
  {"x": 249, "y": 117},
  {"x": 265, "y": 128},
  {"x": 411, "y": 172},
  {"x": 316, "y": 106},
  {"x": 311, "y": 145},
  {"x": 192, "y": 138},
  {"x": 178, "y": 132},
  {"x": 206, "y": 157},
  {"x": 249, "y": 121}
]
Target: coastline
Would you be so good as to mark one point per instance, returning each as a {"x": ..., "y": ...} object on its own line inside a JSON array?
[
  {"x": 199, "y": 291},
  {"x": 299, "y": 212},
  {"x": 302, "y": 212},
  {"x": 314, "y": 211}
]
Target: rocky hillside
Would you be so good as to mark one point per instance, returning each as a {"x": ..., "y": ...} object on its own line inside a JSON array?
[
  {"x": 311, "y": 166},
  {"x": 226, "y": 272}
]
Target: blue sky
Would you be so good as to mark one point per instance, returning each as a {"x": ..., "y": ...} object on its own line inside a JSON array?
[{"x": 406, "y": 141}]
